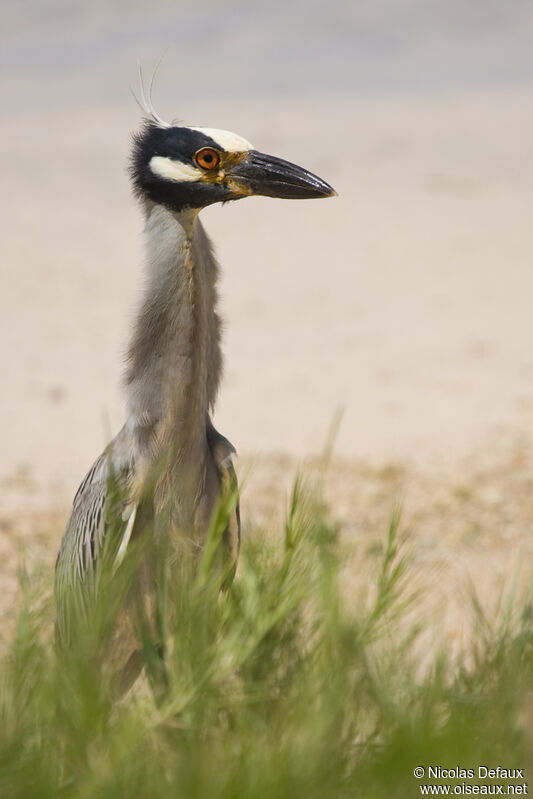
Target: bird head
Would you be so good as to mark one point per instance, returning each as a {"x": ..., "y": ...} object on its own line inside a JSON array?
[{"x": 182, "y": 167}]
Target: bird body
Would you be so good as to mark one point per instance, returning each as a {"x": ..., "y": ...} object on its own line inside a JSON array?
[
  {"x": 174, "y": 365},
  {"x": 174, "y": 360}
]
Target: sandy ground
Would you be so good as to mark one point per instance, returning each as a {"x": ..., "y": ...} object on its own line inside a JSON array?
[{"x": 405, "y": 302}]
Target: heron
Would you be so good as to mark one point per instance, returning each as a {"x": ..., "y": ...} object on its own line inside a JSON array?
[{"x": 174, "y": 360}]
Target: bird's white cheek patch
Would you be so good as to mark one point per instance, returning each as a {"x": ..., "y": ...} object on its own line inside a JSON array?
[
  {"x": 169, "y": 169},
  {"x": 229, "y": 141}
]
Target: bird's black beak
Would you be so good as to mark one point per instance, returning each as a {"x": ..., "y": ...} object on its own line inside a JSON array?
[{"x": 257, "y": 173}]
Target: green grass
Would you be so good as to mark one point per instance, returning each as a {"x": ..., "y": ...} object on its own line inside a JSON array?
[{"x": 274, "y": 688}]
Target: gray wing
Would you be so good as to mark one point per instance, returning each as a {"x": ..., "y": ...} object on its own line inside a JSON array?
[
  {"x": 87, "y": 524},
  {"x": 223, "y": 453}
]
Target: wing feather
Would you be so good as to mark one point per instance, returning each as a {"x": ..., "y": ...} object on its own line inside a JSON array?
[{"x": 89, "y": 522}]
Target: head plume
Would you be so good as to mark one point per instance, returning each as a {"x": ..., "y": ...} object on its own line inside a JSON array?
[{"x": 145, "y": 104}]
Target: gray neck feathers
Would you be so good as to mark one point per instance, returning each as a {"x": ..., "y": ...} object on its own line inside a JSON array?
[{"x": 174, "y": 359}]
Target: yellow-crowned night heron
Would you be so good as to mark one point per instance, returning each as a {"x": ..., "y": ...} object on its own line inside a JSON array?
[{"x": 174, "y": 360}]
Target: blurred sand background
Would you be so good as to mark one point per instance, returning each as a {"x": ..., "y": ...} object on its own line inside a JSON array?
[{"x": 406, "y": 301}]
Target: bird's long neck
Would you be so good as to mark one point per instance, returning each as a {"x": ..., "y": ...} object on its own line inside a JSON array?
[{"x": 174, "y": 360}]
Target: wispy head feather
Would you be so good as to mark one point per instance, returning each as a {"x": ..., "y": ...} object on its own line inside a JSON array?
[{"x": 145, "y": 104}]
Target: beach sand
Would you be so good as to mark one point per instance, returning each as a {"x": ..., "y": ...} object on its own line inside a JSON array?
[{"x": 405, "y": 303}]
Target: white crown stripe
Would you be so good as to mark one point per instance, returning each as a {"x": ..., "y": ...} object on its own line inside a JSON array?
[{"x": 229, "y": 141}]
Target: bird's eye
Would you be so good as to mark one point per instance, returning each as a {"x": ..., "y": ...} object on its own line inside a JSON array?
[{"x": 207, "y": 158}]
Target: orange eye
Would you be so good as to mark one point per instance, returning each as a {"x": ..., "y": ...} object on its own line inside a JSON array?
[{"x": 207, "y": 158}]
